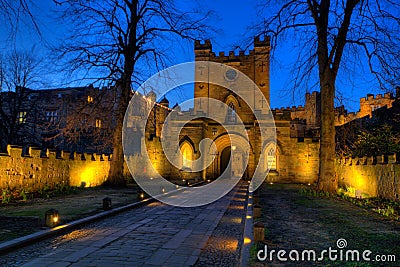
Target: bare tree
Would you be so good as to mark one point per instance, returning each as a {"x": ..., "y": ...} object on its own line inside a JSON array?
[
  {"x": 113, "y": 38},
  {"x": 18, "y": 71},
  {"x": 333, "y": 35},
  {"x": 15, "y": 12}
]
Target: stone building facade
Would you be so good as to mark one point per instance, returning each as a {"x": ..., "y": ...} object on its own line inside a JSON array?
[
  {"x": 296, "y": 158},
  {"x": 78, "y": 119}
]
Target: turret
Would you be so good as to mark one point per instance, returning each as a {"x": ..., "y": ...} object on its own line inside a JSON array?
[
  {"x": 164, "y": 102},
  {"x": 202, "y": 51}
]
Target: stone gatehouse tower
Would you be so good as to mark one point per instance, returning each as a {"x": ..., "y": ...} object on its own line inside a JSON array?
[{"x": 296, "y": 158}]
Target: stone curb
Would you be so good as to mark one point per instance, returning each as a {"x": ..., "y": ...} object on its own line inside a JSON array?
[
  {"x": 248, "y": 231},
  {"x": 29, "y": 239}
]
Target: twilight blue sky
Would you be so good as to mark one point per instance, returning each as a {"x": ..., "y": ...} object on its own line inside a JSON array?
[{"x": 232, "y": 19}]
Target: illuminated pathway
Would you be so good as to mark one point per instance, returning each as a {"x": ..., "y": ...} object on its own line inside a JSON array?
[{"x": 152, "y": 235}]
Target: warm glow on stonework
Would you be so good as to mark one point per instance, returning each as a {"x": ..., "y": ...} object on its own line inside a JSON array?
[
  {"x": 238, "y": 207},
  {"x": 359, "y": 180},
  {"x": 237, "y": 220},
  {"x": 88, "y": 176}
]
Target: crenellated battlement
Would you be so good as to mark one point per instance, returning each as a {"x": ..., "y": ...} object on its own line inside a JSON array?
[
  {"x": 370, "y": 161},
  {"x": 370, "y": 103},
  {"x": 313, "y": 95},
  {"x": 261, "y": 43},
  {"x": 206, "y": 45},
  {"x": 17, "y": 152},
  {"x": 372, "y": 97},
  {"x": 203, "y": 49},
  {"x": 292, "y": 109}
]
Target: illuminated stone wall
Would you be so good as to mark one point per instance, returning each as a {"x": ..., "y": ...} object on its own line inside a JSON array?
[
  {"x": 34, "y": 171},
  {"x": 297, "y": 158},
  {"x": 372, "y": 176}
]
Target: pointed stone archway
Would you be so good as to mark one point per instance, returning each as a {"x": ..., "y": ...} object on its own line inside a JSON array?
[{"x": 230, "y": 146}]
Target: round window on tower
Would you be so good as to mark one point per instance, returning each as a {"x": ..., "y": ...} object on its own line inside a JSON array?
[{"x": 230, "y": 75}]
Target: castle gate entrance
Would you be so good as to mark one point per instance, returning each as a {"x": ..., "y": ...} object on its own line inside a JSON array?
[{"x": 224, "y": 162}]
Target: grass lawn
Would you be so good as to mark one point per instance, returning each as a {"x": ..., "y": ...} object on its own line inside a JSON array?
[
  {"x": 297, "y": 221},
  {"x": 26, "y": 217}
]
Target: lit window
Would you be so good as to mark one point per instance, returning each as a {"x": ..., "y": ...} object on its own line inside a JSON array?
[
  {"x": 90, "y": 99},
  {"x": 98, "y": 123},
  {"x": 21, "y": 117},
  {"x": 187, "y": 154},
  {"x": 51, "y": 116},
  {"x": 271, "y": 157}
]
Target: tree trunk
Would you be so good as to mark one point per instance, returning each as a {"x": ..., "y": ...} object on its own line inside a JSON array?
[
  {"x": 116, "y": 173},
  {"x": 327, "y": 180}
]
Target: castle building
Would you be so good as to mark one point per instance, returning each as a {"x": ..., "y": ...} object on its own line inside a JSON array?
[
  {"x": 81, "y": 120},
  {"x": 297, "y": 151},
  {"x": 368, "y": 105}
]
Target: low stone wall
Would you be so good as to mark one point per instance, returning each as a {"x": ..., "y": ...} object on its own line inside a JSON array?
[
  {"x": 33, "y": 171},
  {"x": 373, "y": 176}
]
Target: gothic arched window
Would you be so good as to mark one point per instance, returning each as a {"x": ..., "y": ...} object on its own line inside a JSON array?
[
  {"x": 270, "y": 157},
  {"x": 231, "y": 115},
  {"x": 187, "y": 155}
]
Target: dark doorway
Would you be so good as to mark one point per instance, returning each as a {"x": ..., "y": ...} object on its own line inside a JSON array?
[{"x": 224, "y": 162}]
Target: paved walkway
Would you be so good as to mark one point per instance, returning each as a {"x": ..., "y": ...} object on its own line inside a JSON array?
[{"x": 153, "y": 235}]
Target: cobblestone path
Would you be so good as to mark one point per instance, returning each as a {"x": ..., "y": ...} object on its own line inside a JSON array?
[
  {"x": 152, "y": 235},
  {"x": 224, "y": 245}
]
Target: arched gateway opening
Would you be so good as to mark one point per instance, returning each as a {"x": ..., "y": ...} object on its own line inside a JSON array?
[
  {"x": 230, "y": 146},
  {"x": 224, "y": 161}
]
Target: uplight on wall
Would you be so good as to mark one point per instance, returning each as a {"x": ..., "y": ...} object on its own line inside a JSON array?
[{"x": 358, "y": 194}]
